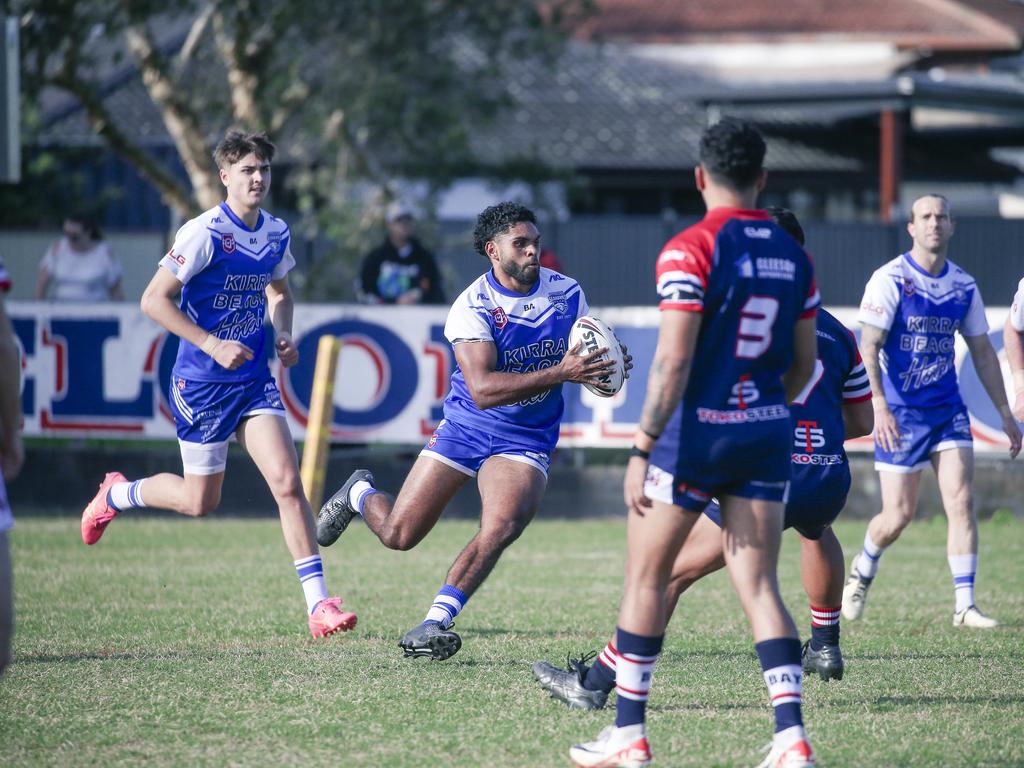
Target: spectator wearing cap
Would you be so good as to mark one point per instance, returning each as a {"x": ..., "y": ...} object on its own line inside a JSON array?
[{"x": 400, "y": 270}]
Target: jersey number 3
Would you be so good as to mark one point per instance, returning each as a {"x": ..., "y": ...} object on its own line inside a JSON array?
[{"x": 755, "y": 331}]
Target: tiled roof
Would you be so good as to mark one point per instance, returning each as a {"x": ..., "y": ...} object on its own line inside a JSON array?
[
  {"x": 947, "y": 24},
  {"x": 600, "y": 108},
  {"x": 606, "y": 109}
]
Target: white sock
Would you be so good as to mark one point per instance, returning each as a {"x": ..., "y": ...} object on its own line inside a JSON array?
[
  {"x": 789, "y": 735},
  {"x": 124, "y": 496},
  {"x": 963, "y": 568},
  {"x": 867, "y": 560},
  {"x": 357, "y": 494},
  {"x": 311, "y": 575},
  {"x": 627, "y": 734}
]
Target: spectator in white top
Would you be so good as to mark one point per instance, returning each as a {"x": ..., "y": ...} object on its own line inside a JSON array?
[{"x": 80, "y": 266}]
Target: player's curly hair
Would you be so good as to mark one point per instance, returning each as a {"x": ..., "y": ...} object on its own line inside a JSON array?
[
  {"x": 497, "y": 219},
  {"x": 732, "y": 151},
  {"x": 786, "y": 219},
  {"x": 235, "y": 145}
]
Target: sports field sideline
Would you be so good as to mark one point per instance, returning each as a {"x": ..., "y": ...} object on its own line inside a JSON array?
[{"x": 174, "y": 643}]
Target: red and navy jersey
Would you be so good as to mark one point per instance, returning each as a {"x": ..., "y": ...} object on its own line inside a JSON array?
[
  {"x": 817, "y": 412},
  {"x": 751, "y": 282}
]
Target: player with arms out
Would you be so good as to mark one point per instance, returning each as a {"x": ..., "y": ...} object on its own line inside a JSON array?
[
  {"x": 736, "y": 342},
  {"x": 911, "y": 310},
  {"x": 510, "y": 331},
  {"x": 230, "y": 265},
  {"x": 834, "y": 406},
  {"x": 1013, "y": 343}
]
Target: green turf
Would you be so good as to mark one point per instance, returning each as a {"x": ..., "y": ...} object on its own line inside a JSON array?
[{"x": 177, "y": 642}]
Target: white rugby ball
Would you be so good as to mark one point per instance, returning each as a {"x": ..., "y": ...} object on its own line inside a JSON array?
[{"x": 594, "y": 334}]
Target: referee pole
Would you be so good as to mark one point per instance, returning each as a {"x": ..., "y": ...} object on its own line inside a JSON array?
[{"x": 318, "y": 428}]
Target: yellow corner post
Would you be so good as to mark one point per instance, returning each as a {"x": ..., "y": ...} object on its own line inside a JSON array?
[{"x": 318, "y": 429}]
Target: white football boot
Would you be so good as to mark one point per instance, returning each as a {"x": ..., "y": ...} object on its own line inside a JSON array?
[{"x": 972, "y": 617}]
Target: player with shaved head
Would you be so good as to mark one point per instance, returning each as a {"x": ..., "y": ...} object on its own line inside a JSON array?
[{"x": 911, "y": 311}]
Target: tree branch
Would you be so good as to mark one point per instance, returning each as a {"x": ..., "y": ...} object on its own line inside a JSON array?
[{"x": 181, "y": 122}]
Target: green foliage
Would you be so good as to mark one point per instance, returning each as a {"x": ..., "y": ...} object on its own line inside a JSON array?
[
  {"x": 177, "y": 642},
  {"x": 357, "y": 94}
]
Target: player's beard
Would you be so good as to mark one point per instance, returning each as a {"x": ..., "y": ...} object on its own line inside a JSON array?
[{"x": 526, "y": 275}]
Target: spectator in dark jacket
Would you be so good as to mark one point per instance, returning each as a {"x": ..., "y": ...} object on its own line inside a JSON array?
[{"x": 400, "y": 270}]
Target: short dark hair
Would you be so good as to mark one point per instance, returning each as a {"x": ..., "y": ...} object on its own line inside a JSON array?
[
  {"x": 937, "y": 196},
  {"x": 236, "y": 145},
  {"x": 786, "y": 219},
  {"x": 496, "y": 219},
  {"x": 732, "y": 152}
]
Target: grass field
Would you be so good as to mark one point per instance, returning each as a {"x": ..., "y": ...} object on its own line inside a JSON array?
[{"x": 179, "y": 642}]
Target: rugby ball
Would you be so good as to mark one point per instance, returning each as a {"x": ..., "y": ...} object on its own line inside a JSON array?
[{"x": 594, "y": 335}]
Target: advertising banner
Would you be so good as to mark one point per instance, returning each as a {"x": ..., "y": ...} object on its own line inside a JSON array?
[{"x": 105, "y": 371}]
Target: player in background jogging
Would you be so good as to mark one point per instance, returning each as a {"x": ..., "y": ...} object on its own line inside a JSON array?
[
  {"x": 912, "y": 309},
  {"x": 230, "y": 265}
]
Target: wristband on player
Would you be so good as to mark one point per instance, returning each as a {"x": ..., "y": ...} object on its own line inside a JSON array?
[
  {"x": 639, "y": 453},
  {"x": 210, "y": 344}
]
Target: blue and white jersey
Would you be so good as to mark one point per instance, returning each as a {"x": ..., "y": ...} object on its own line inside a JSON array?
[
  {"x": 922, "y": 313},
  {"x": 1017, "y": 308},
  {"x": 225, "y": 268},
  {"x": 530, "y": 332}
]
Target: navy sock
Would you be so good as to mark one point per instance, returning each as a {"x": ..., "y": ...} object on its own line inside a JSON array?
[
  {"x": 780, "y": 663},
  {"x": 635, "y": 666}
]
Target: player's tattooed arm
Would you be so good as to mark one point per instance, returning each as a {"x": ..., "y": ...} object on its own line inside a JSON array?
[
  {"x": 669, "y": 374},
  {"x": 666, "y": 382},
  {"x": 872, "y": 339}
]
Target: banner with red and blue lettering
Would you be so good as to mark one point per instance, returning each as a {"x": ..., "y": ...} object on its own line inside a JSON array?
[{"x": 104, "y": 371}]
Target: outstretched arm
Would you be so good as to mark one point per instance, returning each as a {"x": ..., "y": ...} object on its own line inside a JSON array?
[{"x": 986, "y": 363}]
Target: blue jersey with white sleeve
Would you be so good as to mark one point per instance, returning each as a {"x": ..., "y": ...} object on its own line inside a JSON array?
[
  {"x": 225, "y": 267},
  {"x": 922, "y": 313},
  {"x": 529, "y": 332}
]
